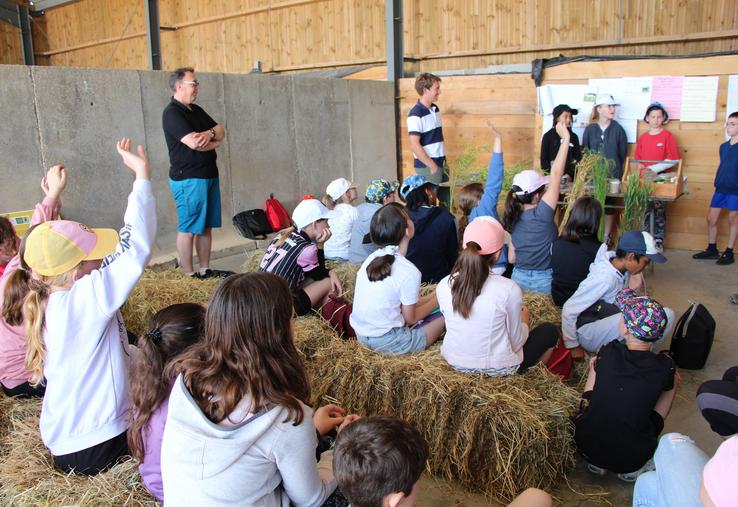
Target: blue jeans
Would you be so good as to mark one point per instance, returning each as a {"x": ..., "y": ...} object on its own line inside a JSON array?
[
  {"x": 676, "y": 480},
  {"x": 533, "y": 280}
]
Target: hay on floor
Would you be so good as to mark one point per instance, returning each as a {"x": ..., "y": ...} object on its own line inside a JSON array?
[
  {"x": 492, "y": 435},
  {"x": 28, "y": 477}
]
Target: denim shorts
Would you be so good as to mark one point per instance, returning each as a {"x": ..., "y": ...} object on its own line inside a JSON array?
[
  {"x": 198, "y": 204},
  {"x": 533, "y": 280},
  {"x": 397, "y": 341}
]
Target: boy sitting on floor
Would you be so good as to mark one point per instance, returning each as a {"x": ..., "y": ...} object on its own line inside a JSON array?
[
  {"x": 589, "y": 319},
  {"x": 628, "y": 393},
  {"x": 378, "y": 461}
]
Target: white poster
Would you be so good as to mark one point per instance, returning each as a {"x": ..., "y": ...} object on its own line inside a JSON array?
[
  {"x": 699, "y": 98},
  {"x": 633, "y": 94},
  {"x": 580, "y": 97},
  {"x": 630, "y": 127},
  {"x": 732, "y": 103}
]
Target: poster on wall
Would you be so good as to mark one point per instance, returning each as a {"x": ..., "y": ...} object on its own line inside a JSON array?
[
  {"x": 731, "y": 105},
  {"x": 699, "y": 98},
  {"x": 632, "y": 93},
  {"x": 580, "y": 97},
  {"x": 668, "y": 91}
]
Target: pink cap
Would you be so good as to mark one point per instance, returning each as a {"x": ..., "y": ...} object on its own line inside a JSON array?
[
  {"x": 529, "y": 181},
  {"x": 718, "y": 476},
  {"x": 485, "y": 232}
]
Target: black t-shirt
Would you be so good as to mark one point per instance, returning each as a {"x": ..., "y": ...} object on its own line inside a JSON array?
[
  {"x": 550, "y": 148},
  {"x": 570, "y": 263},
  {"x": 184, "y": 162},
  {"x": 618, "y": 430}
]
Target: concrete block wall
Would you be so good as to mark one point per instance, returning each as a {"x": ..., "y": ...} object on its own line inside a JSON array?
[{"x": 286, "y": 135}]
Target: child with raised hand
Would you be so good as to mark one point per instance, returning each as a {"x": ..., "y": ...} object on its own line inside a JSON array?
[
  {"x": 171, "y": 331},
  {"x": 387, "y": 302},
  {"x": 529, "y": 218},
  {"x": 14, "y": 377},
  {"x": 607, "y": 136},
  {"x": 378, "y": 462},
  {"x": 378, "y": 193},
  {"x": 628, "y": 393},
  {"x": 76, "y": 337},
  {"x": 725, "y": 197},
  {"x": 435, "y": 244},
  {"x": 238, "y": 431},
  {"x": 477, "y": 201},
  {"x": 297, "y": 255},
  {"x": 340, "y": 193},
  {"x": 655, "y": 145},
  {"x": 576, "y": 249},
  {"x": 487, "y": 325}
]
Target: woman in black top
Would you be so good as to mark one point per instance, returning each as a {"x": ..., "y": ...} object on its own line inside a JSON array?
[
  {"x": 551, "y": 142},
  {"x": 576, "y": 249}
]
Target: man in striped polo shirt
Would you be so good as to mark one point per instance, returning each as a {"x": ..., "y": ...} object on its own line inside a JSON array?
[{"x": 426, "y": 133}]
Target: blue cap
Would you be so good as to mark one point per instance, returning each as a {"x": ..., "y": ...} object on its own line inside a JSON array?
[
  {"x": 411, "y": 183},
  {"x": 641, "y": 243},
  {"x": 656, "y": 105}
]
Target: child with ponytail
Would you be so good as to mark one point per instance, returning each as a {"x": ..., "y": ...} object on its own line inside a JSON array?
[
  {"x": 529, "y": 218},
  {"x": 238, "y": 430},
  {"x": 387, "y": 302},
  {"x": 171, "y": 331},
  {"x": 76, "y": 336},
  {"x": 14, "y": 376},
  {"x": 486, "y": 320},
  {"x": 477, "y": 201}
]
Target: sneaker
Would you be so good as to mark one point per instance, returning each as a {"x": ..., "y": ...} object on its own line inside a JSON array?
[
  {"x": 707, "y": 254},
  {"x": 725, "y": 259},
  {"x": 632, "y": 476},
  {"x": 594, "y": 469},
  {"x": 659, "y": 244},
  {"x": 213, "y": 273}
]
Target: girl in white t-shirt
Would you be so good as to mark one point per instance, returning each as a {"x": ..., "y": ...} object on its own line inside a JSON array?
[
  {"x": 487, "y": 322},
  {"x": 387, "y": 302},
  {"x": 340, "y": 194}
]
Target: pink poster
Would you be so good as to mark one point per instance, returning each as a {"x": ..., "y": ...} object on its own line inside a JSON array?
[{"x": 668, "y": 91}]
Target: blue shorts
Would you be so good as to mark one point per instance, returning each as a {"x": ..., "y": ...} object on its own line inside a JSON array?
[
  {"x": 724, "y": 201},
  {"x": 198, "y": 204},
  {"x": 397, "y": 341},
  {"x": 533, "y": 280}
]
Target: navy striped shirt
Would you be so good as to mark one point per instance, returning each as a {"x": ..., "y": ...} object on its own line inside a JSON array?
[{"x": 426, "y": 123}]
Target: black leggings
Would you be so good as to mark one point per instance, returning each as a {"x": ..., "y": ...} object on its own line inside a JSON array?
[
  {"x": 540, "y": 339},
  {"x": 95, "y": 459},
  {"x": 26, "y": 390}
]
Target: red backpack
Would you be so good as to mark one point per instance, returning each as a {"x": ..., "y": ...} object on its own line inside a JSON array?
[
  {"x": 561, "y": 362},
  {"x": 276, "y": 214}
]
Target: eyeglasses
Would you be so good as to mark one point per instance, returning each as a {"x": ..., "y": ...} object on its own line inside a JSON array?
[
  {"x": 194, "y": 84},
  {"x": 731, "y": 124}
]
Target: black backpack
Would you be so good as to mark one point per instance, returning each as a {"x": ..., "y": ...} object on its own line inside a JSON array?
[
  {"x": 252, "y": 223},
  {"x": 692, "y": 338}
]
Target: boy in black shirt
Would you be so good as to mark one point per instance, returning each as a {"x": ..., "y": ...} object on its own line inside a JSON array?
[{"x": 628, "y": 393}]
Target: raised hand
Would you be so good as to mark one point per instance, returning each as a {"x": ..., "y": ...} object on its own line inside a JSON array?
[
  {"x": 136, "y": 162},
  {"x": 54, "y": 182},
  {"x": 492, "y": 128}
]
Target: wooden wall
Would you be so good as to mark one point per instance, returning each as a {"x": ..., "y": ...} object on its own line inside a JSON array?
[
  {"x": 293, "y": 35},
  {"x": 10, "y": 44}
]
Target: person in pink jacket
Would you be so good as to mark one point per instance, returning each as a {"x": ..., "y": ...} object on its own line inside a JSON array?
[
  {"x": 487, "y": 324},
  {"x": 14, "y": 376}
]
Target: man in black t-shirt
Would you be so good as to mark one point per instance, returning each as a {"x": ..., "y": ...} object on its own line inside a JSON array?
[
  {"x": 192, "y": 137},
  {"x": 628, "y": 393}
]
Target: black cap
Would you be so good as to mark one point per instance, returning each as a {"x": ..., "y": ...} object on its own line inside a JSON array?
[{"x": 563, "y": 108}]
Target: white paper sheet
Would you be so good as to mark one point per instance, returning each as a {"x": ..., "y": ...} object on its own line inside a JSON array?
[
  {"x": 630, "y": 127},
  {"x": 632, "y": 93},
  {"x": 699, "y": 98},
  {"x": 731, "y": 106},
  {"x": 580, "y": 97},
  {"x": 668, "y": 91}
]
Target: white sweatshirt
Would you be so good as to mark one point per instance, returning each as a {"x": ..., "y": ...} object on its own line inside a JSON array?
[
  {"x": 261, "y": 461},
  {"x": 337, "y": 246},
  {"x": 86, "y": 362}
]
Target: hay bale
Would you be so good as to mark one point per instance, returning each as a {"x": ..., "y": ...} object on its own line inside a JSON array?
[
  {"x": 157, "y": 290},
  {"x": 28, "y": 477},
  {"x": 252, "y": 261},
  {"x": 492, "y": 435}
]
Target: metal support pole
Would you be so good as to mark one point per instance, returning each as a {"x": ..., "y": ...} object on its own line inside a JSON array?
[
  {"x": 395, "y": 61},
  {"x": 25, "y": 35},
  {"x": 152, "y": 34}
]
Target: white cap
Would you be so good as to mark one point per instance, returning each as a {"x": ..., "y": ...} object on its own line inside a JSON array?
[
  {"x": 529, "y": 181},
  {"x": 309, "y": 211},
  {"x": 605, "y": 99},
  {"x": 337, "y": 188}
]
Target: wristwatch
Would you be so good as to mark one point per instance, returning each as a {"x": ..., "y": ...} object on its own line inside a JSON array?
[{"x": 212, "y": 133}]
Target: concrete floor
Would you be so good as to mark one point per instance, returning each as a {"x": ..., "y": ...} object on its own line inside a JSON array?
[{"x": 675, "y": 283}]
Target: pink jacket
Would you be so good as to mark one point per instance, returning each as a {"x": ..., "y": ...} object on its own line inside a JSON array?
[{"x": 13, "y": 338}]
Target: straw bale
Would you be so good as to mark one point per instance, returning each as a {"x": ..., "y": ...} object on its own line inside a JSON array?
[
  {"x": 28, "y": 477},
  {"x": 493, "y": 435},
  {"x": 158, "y": 289}
]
